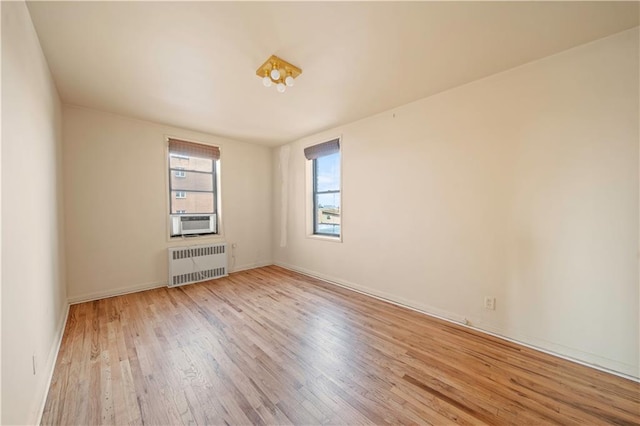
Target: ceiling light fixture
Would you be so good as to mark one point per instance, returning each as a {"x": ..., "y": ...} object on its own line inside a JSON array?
[{"x": 279, "y": 72}]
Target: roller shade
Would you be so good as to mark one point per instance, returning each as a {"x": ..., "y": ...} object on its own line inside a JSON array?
[
  {"x": 190, "y": 149},
  {"x": 320, "y": 150}
]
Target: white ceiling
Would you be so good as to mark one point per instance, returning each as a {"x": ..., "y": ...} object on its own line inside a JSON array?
[{"x": 192, "y": 64}]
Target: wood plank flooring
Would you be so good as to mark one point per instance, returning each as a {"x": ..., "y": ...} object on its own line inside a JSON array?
[{"x": 269, "y": 346}]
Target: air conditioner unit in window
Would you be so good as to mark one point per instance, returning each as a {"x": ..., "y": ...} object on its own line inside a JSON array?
[{"x": 193, "y": 224}]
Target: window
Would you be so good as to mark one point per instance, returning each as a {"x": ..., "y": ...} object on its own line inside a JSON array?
[
  {"x": 192, "y": 178},
  {"x": 325, "y": 184}
]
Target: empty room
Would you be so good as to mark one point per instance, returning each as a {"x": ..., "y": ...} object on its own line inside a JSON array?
[{"x": 320, "y": 213}]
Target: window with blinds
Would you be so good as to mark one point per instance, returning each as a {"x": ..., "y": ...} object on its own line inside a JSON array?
[
  {"x": 325, "y": 158},
  {"x": 192, "y": 177}
]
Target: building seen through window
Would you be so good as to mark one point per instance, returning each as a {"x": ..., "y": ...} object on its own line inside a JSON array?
[{"x": 192, "y": 184}]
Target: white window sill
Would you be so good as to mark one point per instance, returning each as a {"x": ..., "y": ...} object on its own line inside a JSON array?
[
  {"x": 199, "y": 238},
  {"x": 325, "y": 238}
]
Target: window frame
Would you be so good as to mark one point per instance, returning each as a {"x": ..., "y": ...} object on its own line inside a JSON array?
[
  {"x": 311, "y": 196},
  {"x": 217, "y": 190},
  {"x": 315, "y": 194}
]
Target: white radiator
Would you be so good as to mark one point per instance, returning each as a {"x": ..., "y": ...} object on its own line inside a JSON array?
[{"x": 197, "y": 263}]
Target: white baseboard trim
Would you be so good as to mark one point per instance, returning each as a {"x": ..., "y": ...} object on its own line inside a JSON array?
[
  {"x": 52, "y": 359},
  {"x": 535, "y": 344},
  {"x": 89, "y": 297},
  {"x": 248, "y": 266}
]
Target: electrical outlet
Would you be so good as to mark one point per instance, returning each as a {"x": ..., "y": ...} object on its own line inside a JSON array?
[
  {"x": 490, "y": 303},
  {"x": 34, "y": 364}
]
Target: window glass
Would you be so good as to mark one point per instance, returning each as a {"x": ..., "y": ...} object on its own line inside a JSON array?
[
  {"x": 192, "y": 184},
  {"x": 326, "y": 195}
]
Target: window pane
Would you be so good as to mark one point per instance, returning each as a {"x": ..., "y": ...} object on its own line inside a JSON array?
[
  {"x": 328, "y": 229},
  {"x": 191, "y": 181},
  {"x": 193, "y": 202},
  {"x": 190, "y": 163},
  {"x": 328, "y": 173},
  {"x": 328, "y": 214}
]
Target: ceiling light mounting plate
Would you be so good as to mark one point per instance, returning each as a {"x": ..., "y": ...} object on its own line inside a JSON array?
[{"x": 276, "y": 63}]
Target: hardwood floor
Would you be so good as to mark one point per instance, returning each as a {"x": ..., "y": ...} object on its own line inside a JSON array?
[{"x": 269, "y": 346}]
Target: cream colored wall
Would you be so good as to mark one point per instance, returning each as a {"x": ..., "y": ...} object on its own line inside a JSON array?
[
  {"x": 34, "y": 300},
  {"x": 117, "y": 208},
  {"x": 0, "y": 216},
  {"x": 522, "y": 186}
]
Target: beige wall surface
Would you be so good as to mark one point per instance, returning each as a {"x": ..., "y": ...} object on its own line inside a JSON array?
[
  {"x": 116, "y": 200},
  {"x": 33, "y": 283},
  {"x": 521, "y": 186}
]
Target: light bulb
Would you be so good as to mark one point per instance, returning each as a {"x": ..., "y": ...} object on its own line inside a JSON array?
[
  {"x": 266, "y": 81},
  {"x": 289, "y": 81},
  {"x": 275, "y": 74},
  {"x": 281, "y": 87}
]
